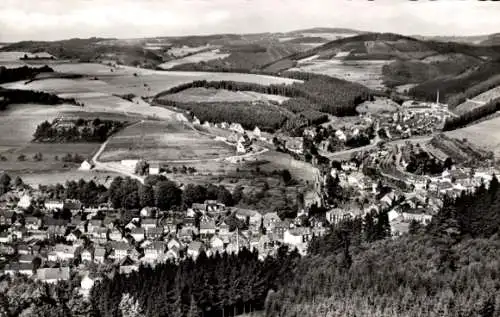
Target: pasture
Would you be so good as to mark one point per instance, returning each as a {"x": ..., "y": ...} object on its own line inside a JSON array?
[
  {"x": 485, "y": 134},
  {"x": 379, "y": 105},
  {"x": 365, "y": 72},
  {"x": 164, "y": 141},
  {"x": 221, "y": 95},
  {"x": 478, "y": 101},
  {"x": 195, "y": 58}
]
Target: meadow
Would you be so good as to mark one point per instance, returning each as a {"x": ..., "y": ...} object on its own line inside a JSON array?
[
  {"x": 201, "y": 94},
  {"x": 164, "y": 141},
  {"x": 485, "y": 134},
  {"x": 365, "y": 72},
  {"x": 478, "y": 100},
  {"x": 195, "y": 58}
]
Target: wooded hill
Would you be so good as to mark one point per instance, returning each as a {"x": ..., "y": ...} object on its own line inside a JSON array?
[{"x": 310, "y": 102}]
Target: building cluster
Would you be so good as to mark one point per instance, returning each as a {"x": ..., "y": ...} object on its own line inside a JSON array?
[
  {"x": 414, "y": 119},
  {"x": 50, "y": 247}
]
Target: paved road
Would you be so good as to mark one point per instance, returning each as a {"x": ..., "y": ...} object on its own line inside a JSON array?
[{"x": 113, "y": 167}]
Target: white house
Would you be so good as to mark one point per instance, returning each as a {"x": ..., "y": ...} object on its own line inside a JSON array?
[
  {"x": 25, "y": 201},
  {"x": 54, "y": 204},
  {"x": 53, "y": 275},
  {"x": 86, "y": 166},
  {"x": 154, "y": 168},
  {"x": 297, "y": 237},
  {"x": 86, "y": 256}
]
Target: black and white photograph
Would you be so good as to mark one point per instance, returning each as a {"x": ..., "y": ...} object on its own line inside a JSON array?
[{"x": 249, "y": 158}]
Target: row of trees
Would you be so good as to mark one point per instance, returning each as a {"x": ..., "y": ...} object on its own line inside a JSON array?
[
  {"x": 11, "y": 96},
  {"x": 475, "y": 114},
  {"x": 21, "y": 73},
  {"x": 82, "y": 131},
  {"x": 220, "y": 285}
]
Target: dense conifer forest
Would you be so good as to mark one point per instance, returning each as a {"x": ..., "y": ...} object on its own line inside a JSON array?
[
  {"x": 475, "y": 114},
  {"x": 21, "y": 73},
  {"x": 12, "y": 96},
  {"x": 448, "y": 268}
]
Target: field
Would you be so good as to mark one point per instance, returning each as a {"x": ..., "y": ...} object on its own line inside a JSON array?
[
  {"x": 478, "y": 101},
  {"x": 195, "y": 58},
  {"x": 365, "y": 72},
  {"x": 164, "y": 141},
  {"x": 54, "y": 177},
  {"x": 485, "y": 134},
  {"x": 221, "y": 95},
  {"x": 379, "y": 105}
]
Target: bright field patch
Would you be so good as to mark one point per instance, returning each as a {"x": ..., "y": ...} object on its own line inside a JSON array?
[
  {"x": 368, "y": 73},
  {"x": 161, "y": 141},
  {"x": 485, "y": 134},
  {"x": 195, "y": 58},
  {"x": 221, "y": 95}
]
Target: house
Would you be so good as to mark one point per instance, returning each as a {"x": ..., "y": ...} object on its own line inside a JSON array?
[
  {"x": 207, "y": 226},
  {"x": 279, "y": 229},
  {"x": 138, "y": 234},
  {"x": 174, "y": 243},
  {"x": 148, "y": 223},
  {"x": 173, "y": 254},
  {"x": 99, "y": 254},
  {"x": 53, "y": 275},
  {"x": 236, "y": 127},
  {"x": 25, "y": 201},
  {"x": 73, "y": 205},
  {"x": 154, "y": 233},
  {"x": 64, "y": 252},
  {"x": 216, "y": 243},
  {"x": 19, "y": 268},
  {"x": 86, "y": 166},
  {"x": 24, "y": 249},
  {"x": 154, "y": 168},
  {"x": 94, "y": 224},
  {"x": 120, "y": 250},
  {"x": 295, "y": 145},
  {"x": 148, "y": 212},
  {"x": 5, "y": 237},
  {"x": 199, "y": 207},
  {"x": 86, "y": 256},
  {"x": 213, "y": 206},
  {"x": 6, "y": 218},
  {"x": 127, "y": 266},
  {"x": 32, "y": 223},
  {"x": 223, "y": 229},
  {"x": 169, "y": 224},
  {"x": 254, "y": 217},
  {"x": 26, "y": 258},
  {"x": 132, "y": 225},
  {"x": 55, "y": 227},
  {"x": 270, "y": 219},
  {"x": 115, "y": 235},
  {"x": 256, "y": 132},
  {"x": 100, "y": 233},
  {"x": 194, "y": 249},
  {"x": 54, "y": 205},
  {"x": 77, "y": 223},
  {"x": 297, "y": 237},
  {"x": 74, "y": 235},
  {"x": 186, "y": 234},
  {"x": 155, "y": 250}
]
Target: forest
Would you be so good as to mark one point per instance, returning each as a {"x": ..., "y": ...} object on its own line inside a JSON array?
[
  {"x": 267, "y": 117},
  {"x": 79, "y": 130},
  {"x": 12, "y": 96},
  {"x": 319, "y": 92},
  {"x": 453, "y": 123},
  {"x": 452, "y": 88},
  {"x": 21, "y": 73},
  {"x": 448, "y": 268}
]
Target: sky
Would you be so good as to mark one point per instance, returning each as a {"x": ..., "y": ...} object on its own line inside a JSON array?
[{"x": 61, "y": 19}]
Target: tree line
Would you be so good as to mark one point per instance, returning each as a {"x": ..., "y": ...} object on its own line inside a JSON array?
[
  {"x": 21, "y": 73},
  {"x": 443, "y": 269},
  {"x": 12, "y": 96},
  {"x": 453, "y": 123},
  {"x": 82, "y": 130}
]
